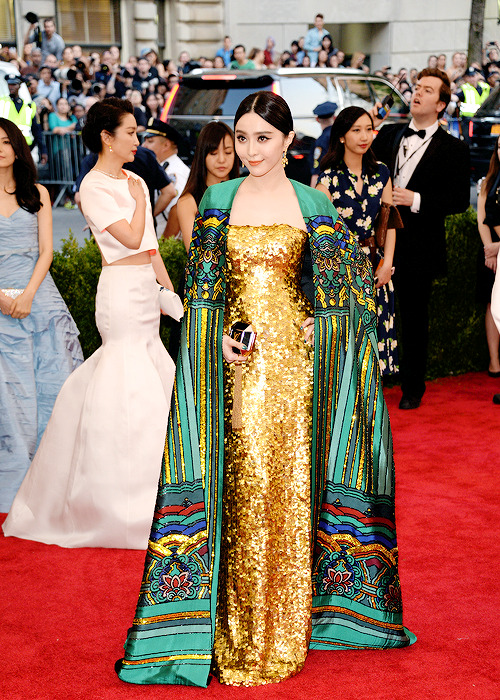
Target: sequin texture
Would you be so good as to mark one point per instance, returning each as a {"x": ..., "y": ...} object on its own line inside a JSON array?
[{"x": 264, "y": 605}]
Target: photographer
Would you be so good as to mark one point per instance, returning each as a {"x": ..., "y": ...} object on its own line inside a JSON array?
[
  {"x": 80, "y": 86},
  {"x": 48, "y": 40},
  {"x": 491, "y": 57},
  {"x": 102, "y": 74},
  {"x": 120, "y": 81},
  {"x": 145, "y": 76}
]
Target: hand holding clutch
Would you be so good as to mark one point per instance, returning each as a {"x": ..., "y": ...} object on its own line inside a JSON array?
[{"x": 170, "y": 303}]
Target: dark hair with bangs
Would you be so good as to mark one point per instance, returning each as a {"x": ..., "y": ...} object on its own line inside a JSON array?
[
  {"x": 106, "y": 115},
  {"x": 208, "y": 141},
  {"x": 24, "y": 169},
  {"x": 270, "y": 107},
  {"x": 342, "y": 124}
]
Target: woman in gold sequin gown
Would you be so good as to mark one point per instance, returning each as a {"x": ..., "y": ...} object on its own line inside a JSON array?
[
  {"x": 264, "y": 605},
  {"x": 276, "y": 536}
]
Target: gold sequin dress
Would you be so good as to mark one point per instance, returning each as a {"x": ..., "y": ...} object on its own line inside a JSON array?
[{"x": 264, "y": 603}]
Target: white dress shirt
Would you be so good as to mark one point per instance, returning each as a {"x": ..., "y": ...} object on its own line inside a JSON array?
[
  {"x": 411, "y": 150},
  {"x": 178, "y": 172}
]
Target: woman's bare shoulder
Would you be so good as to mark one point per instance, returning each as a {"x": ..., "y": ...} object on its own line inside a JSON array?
[
  {"x": 44, "y": 194},
  {"x": 186, "y": 203}
]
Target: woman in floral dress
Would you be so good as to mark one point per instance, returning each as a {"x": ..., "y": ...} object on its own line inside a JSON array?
[{"x": 357, "y": 184}]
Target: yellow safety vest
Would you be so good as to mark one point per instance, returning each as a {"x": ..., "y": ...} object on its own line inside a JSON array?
[
  {"x": 473, "y": 100},
  {"x": 22, "y": 119}
]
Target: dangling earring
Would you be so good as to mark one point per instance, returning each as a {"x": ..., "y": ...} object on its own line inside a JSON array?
[
  {"x": 110, "y": 149},
  {"x": 242, "y": 164},
  {"x": 284, "y": 160}
]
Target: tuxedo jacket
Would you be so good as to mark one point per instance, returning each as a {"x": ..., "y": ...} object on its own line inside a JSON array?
[{"x": 442, "y": 177}]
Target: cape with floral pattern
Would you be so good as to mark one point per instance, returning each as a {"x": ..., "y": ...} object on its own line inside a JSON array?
[{"x": 355, "y": 581}]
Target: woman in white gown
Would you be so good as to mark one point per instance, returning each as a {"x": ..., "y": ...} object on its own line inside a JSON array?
[{"x": 94, "y": 478}]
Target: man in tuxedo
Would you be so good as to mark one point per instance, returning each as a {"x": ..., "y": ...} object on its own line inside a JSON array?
[{"x": 430, "y": 172}]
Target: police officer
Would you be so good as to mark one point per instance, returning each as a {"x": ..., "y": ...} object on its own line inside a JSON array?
[
  {"x": 471, "y": 96},
  {"x": 325, "y": 116},
  {"x": 472, "y": 93},
  {"x": 23, "y": 114},
  {"x": 163, "y": 140}
]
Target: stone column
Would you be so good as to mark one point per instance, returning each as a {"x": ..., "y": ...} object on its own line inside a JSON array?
[
  {"x": 199, "y": 27},
  {"x": 145, "y": 27}
]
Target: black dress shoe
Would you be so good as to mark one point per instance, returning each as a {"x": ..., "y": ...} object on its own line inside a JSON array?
[
  {"x": 495, "y": 375},
  {"x": 409, "y": 402},
  {"x": 496, "y": 398}
]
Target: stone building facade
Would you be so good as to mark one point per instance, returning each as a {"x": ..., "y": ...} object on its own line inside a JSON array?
[{"x": 390, "y": 32}]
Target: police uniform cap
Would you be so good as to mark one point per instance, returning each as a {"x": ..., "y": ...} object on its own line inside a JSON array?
[
  {"x": 13, "y": 79},
  {"x": 158, "y": 128},
  {"x": 471, "y": 71},
  {"x": 325, "y": 110}
]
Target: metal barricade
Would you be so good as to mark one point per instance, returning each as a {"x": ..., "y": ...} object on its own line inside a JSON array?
[{"x": 65, "y": 155}]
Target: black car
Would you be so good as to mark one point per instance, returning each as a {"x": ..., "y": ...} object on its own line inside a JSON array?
[
  {"x": 483, "y": 130},
  {"x": 204, "y": 95}
]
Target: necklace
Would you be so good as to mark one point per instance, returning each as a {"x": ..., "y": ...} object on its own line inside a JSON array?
[{"x": 115, "y": 177}]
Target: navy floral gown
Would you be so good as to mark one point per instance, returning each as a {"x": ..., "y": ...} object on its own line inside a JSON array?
[{"x": 359, "y": 212}]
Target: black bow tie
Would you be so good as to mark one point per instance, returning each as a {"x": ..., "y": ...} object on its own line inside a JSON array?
[{"x": 411, "y": 132}]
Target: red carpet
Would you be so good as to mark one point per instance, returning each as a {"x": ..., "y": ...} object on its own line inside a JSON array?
[{"x": 65, "y": 612}]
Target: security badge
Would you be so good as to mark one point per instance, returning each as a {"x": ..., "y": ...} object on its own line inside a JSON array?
[{"x": 317, "y": 155}]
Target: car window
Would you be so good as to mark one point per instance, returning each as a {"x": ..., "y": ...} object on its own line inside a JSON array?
[
  {"x": 491, "y": 106},
  {"x": 355, "y": 92},
  {"x": 212, "y": 100},
  {"x": 303, "y": 94},
  {"x": 381, "y": 89}
]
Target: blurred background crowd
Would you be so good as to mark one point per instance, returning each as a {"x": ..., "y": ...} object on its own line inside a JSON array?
[{"x": 63, "y": 81}]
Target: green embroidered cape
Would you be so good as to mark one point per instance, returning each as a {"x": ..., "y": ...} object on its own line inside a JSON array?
[{"x": 355, "y": 581}]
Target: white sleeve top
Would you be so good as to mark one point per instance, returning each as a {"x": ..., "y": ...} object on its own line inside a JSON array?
[{"x": 106, "y": 200}]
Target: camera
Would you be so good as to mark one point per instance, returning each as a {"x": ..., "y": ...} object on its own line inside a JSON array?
[
  {"x": 104, "y": 68},
  {"x": 126, "y": 74},
  {"x": 81, "y": 66},
  {"x": 32, "y": 18}
]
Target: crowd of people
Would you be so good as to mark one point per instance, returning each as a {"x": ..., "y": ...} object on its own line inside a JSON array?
[{"x": 54, "y": 70}]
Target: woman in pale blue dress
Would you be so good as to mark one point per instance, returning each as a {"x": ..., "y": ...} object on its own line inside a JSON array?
[{"x": 39, "y": 345}]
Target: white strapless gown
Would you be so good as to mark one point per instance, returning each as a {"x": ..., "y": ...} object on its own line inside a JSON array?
[{"x": 94, "y": 478}]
